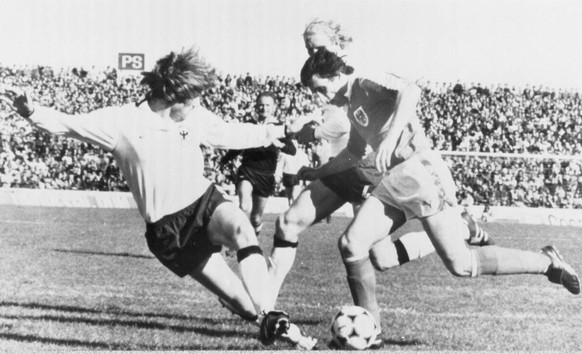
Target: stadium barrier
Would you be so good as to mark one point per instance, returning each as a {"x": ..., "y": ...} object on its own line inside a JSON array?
[
  {"x": 66, "y": 198},
  {"x": 124, "y": 200}
]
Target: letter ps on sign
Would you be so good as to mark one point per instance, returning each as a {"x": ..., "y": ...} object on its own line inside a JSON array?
[{"x": 131, "y": 61}]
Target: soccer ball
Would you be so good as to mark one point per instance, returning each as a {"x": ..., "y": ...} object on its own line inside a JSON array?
[{"x": 353, "y": 328}]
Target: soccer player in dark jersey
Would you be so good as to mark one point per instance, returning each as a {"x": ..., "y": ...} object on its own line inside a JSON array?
[
  {"x": 416, "y": 183},
  {"x": 324, "y": 196},
  {"x": 256, "y": 174}
]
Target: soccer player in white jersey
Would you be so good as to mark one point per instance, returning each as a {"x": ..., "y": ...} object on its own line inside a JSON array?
[
  {"x": 416, "y": 183},
  {"x": 324, "y": 196},
  {"x": 156, "y": 144}
]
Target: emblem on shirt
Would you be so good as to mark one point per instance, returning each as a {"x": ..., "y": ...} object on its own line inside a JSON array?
[
  {"x": 184, "y": 136},
  {"x": 361, "y": 117}
]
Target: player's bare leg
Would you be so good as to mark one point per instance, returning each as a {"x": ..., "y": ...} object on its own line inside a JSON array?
[
  {"x": 256, "y": 217},
  {"x": 230, "y": 227},
  {"x": 444, "y": 230},
  {"x": 315, "y": 202},
  {"x": 219, "y": 278},
  {"x": 244, "y": 191},
  {"x": 395, "y": 251},
  {"x": 372, "y": 223}
]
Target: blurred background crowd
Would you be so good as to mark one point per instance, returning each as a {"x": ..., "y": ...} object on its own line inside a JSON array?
[{"x": 533, "y": 122}]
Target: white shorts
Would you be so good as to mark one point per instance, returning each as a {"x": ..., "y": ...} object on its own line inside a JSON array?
[{"x": 420, "y": 186}]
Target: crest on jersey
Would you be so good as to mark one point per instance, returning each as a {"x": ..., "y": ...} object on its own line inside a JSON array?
[
  {"x": 361, "y": 117},
  {"x": 184, "y": 135}
]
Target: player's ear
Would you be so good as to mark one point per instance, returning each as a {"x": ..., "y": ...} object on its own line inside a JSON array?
[{"x": 335, "y": 77}]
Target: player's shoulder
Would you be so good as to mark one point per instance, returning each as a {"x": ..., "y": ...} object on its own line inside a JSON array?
[
  {"x": 375, "y": 84},
  {"x": 203, "y": 118},
  {"x": 119, "y": 114}
]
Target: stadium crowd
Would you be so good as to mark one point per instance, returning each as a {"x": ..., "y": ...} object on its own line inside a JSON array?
[{"x": 456, "y": 117}]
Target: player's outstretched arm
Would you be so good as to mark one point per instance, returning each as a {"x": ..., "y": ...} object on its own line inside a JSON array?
[{"x": 239, "y": 136}]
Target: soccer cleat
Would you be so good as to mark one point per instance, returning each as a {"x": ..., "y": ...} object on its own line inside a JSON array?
[
  {"x": 273, "y": 325},
  {"x": 298, "y": 339},
  {"x": 276, "y": 325},
  {"x": 378, "y": 342},
  {"x": 247, "y": 317},
  {"x": 477, "y": 236},
  {"x": 560, "y": 272}
]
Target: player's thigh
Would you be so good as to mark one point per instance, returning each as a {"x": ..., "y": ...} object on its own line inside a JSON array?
[
  {"x": 315, "y": 202},
  {"x": 230, "y": 227},
  {"x": 446, "y": 230},
  {"x": 373, "y": 221},
  {"x": 218, "y": 277}
]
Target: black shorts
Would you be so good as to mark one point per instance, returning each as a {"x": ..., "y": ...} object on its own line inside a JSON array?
[
  {"x": 290, "y": 180},
  {"x": 263, "y": 183},
  {"x": 355, "y": 184},
  {"x": 180, "y": 240}
]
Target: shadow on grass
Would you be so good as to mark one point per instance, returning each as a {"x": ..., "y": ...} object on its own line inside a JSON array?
[
  {"x": 57, "y": 341},
  {"x": 128, "y": 323},
  {"x": 209, "y": 327},
  {"x": 124, "y": 254},
  {"x": 402, "y": 342},
  {"x": 205, "y": 326},
  {"x": 95, "y": 345},
  {"x": 119, "y": 312}
]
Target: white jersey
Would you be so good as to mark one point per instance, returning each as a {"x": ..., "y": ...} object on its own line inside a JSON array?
[
  {"x": 160, "y": 159},
  {"x": 335, "y": 129}
]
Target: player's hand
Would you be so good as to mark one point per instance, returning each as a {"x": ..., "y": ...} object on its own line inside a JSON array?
[
  {"x": 307, "y": 173},
  {"x": 306, "y": 134},
  {"x": 18, "y": 99},
  {"x": 384, "y": 155}
]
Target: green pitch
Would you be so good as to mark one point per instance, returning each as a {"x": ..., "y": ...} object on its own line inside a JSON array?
[{"x": 83, "y": 279}]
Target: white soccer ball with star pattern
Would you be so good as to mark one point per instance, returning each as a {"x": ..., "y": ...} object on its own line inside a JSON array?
[{"x": 353, "y": 328}]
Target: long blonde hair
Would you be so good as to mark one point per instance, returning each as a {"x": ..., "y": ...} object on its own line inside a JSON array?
[{"x": 332, "y": 29}]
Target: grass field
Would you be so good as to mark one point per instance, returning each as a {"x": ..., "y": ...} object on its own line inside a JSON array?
[{"x": 83, "y": 279}]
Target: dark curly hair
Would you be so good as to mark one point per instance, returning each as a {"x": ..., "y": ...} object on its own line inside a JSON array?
[
  {"x": 177, "y": 78},
  {"x": 324, "y": 63}
]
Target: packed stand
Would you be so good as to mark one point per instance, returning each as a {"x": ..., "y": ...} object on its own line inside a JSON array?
[{"x": 474, "y": 118}]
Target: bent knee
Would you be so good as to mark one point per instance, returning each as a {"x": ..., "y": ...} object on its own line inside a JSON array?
[
  {"x": 459, "y": 267},
  {"x": 256, "y": 220},
  {"x": 242, "y": 234},
  {"x": 289, "y": 225},
  {"x": 351, "y": 249},
  {"x": 246, "y": 207}
]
